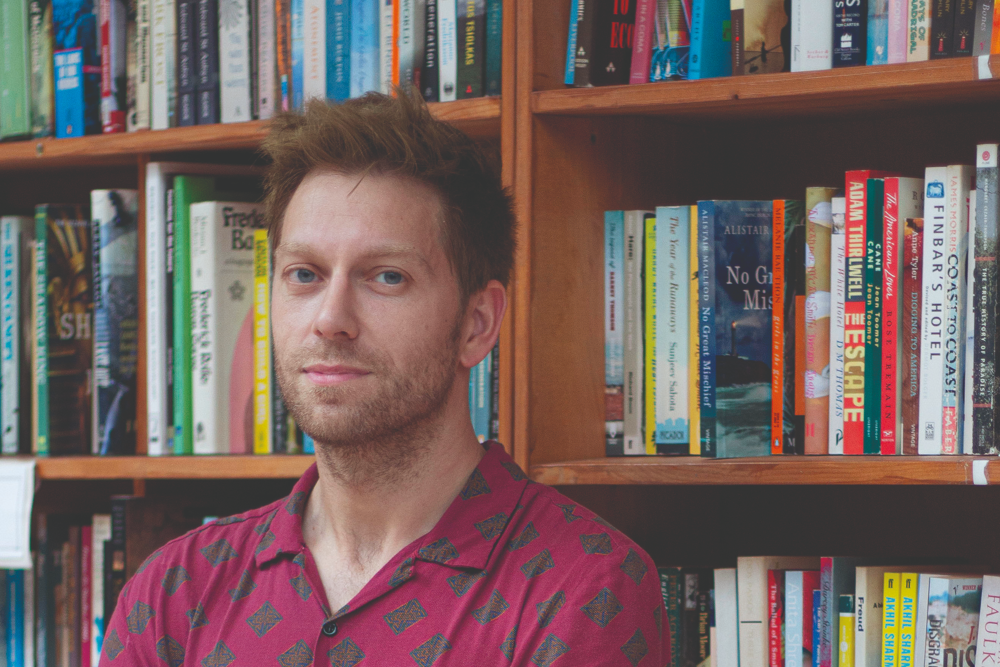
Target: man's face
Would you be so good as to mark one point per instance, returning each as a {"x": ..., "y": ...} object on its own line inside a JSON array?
[{"x": 365, "y": 309}]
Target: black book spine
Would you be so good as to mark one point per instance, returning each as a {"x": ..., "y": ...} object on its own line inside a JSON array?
[
  {"x": 169, "y": 314},
  {"x": 253, "y": 41},
  {"x": 986, "y": 342},
  {"x": 584, "y": 43},
  {"x": 186, "y": 112},
  {"x": 117, "y": 553},
  {"x": 495, "y": 393},
  {"x": 942, "y": 29},
  {"x": 965, "y": 26},
  {"x": 471, "y": 48},
  {"x": 43, "y": 600},
  {"x": 429, "y": 75},
  {"x": 850, "y": 32},
  {"x": 279, "y": 417},
  {"x": 795, "y": 298},
  {"x": 613, "y": 28},
  {"x": 207, "y": 62}
]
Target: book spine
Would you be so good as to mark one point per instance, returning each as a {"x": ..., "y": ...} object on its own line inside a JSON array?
[
  {"x": 41, "y": 407},
  {"x": 338, "y": 49},
  {"x": 138, "y": 66},
  {"x": 448, "y": 52},
  {"x": 651, "y": 305},
  {"x": 187, "y": 113},
  {"x": 205, "y": 384},
  {"x": 494, "y": 46},
  {"x": 430, "y": 74},
  {"x": 985, "y": 387},
  {"x": 889, "y": 369},
  {"x": 812, "y": 36},
  {"x": 795, "y": 341},
  {"x": 698, "y": 40},
  {"x": 234, "y": 65},
  {"x": 819, "y": 225},
  {"x": 364, "y": 45},
  {"x": 633, "y": 335},
  {"x": 15, "y": 100},
  {"x": 875, "y": 196},
  {"x": 907, "y": 617},
  {"x": 793, "y": 618},
  {"x": 314, "y": 49},
  {"x": 396, "y": 32},
  {"x": 472, "y": 32},
  {"x": 10, "y": 330},
  {"x": 118, "y": 545},
  {"x": 846, "y": 630},
  {"x": 585, "y": 10},
  {"x": 933, "y": 311},
  {"x": 642, "y": 42},
  {"x": 613, "y": 32},
  {"x": 911, "y": 319},
  {"x": 267, "y": 69},
  {"x": 890, "y": 619},
  {"x": 988, "y": 632},
  {"x": 387, "y": 44},
  {"x": 850, "y": 25},
  {"x": 877, "y": 51},
  {"x": 157, "y": 416},
  {"x": 778, "y": 359},
  {"x": 694, "y": 350},
  {"x": 43, "y": 601},
  {"x": 42, "y": 74},
  {"x": 898, "y": 30},
  {"x": 965, "y": 26},
  {"x": 297, "y": 50},
  {"x": 76, "y": 58},
  {"x": 967, "y": 446},
  {"x": 706, "y": 321},
  {"x": 261, "y": 344},
  {"x": 824, "y": 647},
  {"x": 283, "y": 53},
  {"x": 162, "y": 35},
  {"x": 406, "y": 37},
  {"x": 957, "y": 186},
  {"x": 775, "y": 618},
  {"x": 614, "y": 339},
  {"x": 942, "y": 28},
  {"x": 113, "y": 51},
  {"x": 983, "y": 33},
  {"x": 14, "y": 614},
  {"x": 673, "y": 228},
  {"x": 86, "y": 590},
  {"x": 101, "y": 534},
  {"x": 918, "y": 43},
  {"x": 854, "y": 314},
  {"x": 838, "y": 292},
  {"x": 738, "y": 36},
  {"x": 495, "y": 393},
  {"x": 171, "y": 340},
  {"x": 568, "y": 76}
]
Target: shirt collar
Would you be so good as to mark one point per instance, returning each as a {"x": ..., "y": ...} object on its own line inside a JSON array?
[{"x": 465, "y": 537}]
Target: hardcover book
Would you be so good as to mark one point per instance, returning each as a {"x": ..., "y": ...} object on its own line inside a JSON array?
[
  {"x": 932, "y": 338},
  {"x": 42, "y": 74},
  {"x": 15, "y": 68},
  {"x": 669, "y": 392},
  {"x": 115, "y": 226},
  {"x": 187, "y": 111},
  {"x": 710, "y": 40},
  {"x": 819, "y": 226},
  {"x": 64, "y": 301},
  {"x": 788, "y": 329},
  {"x": 761, "y": 36},
  {"x": 982, "y": 36},
  {"x": 471, "y": 31},
  {"x": 850, "y": 28},
  {"x": 812, "y": 35},
  {"x": 222, "y": 316},
  {"x": 965, "y": 26},
  {"x": 163, "y": 55},
  {"x": 234, "y": 61},
  {"x": 694, "y": 351},
  {"x": 799, "y": 586},
  {"x": 985, "y": 388},
  {"x": 874, "y": 232},
  {"x": 113, "y": 15},
  {"x": 838, "y": 290},
  {"x": 918, "y": 44},
  {"x": 956, "y": 617},
  {"x": 614, "y": 259},
  {"x": 734, "y": 259},
  {"x": 942, "y": 29},
  {"x": 634, "y": 345},
  {"x": 16, "y": 236},
  {"x": 77, "y": 63},
  {"x": 610, "y": 60}
]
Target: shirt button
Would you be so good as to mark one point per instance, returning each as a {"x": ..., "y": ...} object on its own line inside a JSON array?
[{"x": 329, "y": 628}]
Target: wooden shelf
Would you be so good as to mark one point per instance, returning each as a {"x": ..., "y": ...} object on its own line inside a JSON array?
[
  {"x": 173, "y": 467},
  {"x": 791, "y": 470},
  {"x": 478, "y": 117},
  {"x": 938, "y": 82}
]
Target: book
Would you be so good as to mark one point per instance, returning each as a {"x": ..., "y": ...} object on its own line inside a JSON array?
[
  {"x": 911, "y": 316},
  {"x": 819, "y": 226},
  {"x": 614, "y": 360},
  {"x": 584, "y": 14},
  {"x": 207, "y": 62},
  {"x": 850, "y": 28},
  {"x": 874, "y": 233},
  {"x": 114, "y": 44},
  {"x": 101, "y": 535},
  {"x": 642, "y": 41},
  {"x": 163, "y": 55},
  {"x": 471, "y": 31},
  {"x": 672, "y": 589},
  {"x": 982, "y": 35},
  {"x": 494, "y": 47},
  {"x": 694, "y": 351},
  {"x": 406, "y": 41},
  {"x": 633, "y": 327},
  {"x": 942, "y": 27},
  {"x": 918, "y": 43},
  {"x": 86, "y": 583},
  {"x": 726, "y": 618},
  {"x": 846, "y": 630},
  {"x": 42, "y": 81},
  {"x": 904, "y": 200},
  {"x": 788, "y": 328},
  {"x": 868, "y": 592},
  {"x": 315, "y": 56},
  {"x": 569, "y": 77},
  {"x": 222, "y": 340},
  {"x": 429, "y": 74},
  {"x": 16, "y": 236},
  {"x": 296, "y": 45},
  {"x": 907, "y": 617},
  {"x": 985, "y": 388},
  {"x": 234, "y": 61},
  {"x": 447, "y": 51},
  {"x": 283, "y": 53},
  {"x": 758, "y": 27},
  {"x": 609, "y": 60},
  {"x": 890, "y": 619},
  {"x": 812, "y": 36},
  {"x": 15, "y": 70},
  {"x": 268, "y": 96},
  {"x": 961, "y": 620},
  {"x": 799, "y": 585},
  {"x": 838, "y": 295},
  {"x": 898, "y": 30},
  {"x": 877, "y": 48},
  {"x": 650, "y": 305},
  {"x": 735, "y": 320},
  {"x": 137, "y": 64},
  {"x": 775, "y": 618},
  {"x": 364, "y": 36},
  {"x": 77, "y": 64},
  {"x": 669, "y": 393},
  {"x": 965, "y": 26},
  {"x": 988, "y": 632},
  {"x": 387, "y": 53},
  {"x": 932, "y": 337},
  {"x": 64, "y": 299},
  {"x": 115, "y": 229},
  {"x": 187, "y": 110},
  {"x": 709, "y": 53},
  {"x": 837, "y": 577}
]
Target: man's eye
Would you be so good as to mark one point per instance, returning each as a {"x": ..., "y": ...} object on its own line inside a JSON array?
[
  {"x": 390, "y": 277},
  {"x": 303, "y": 276}
]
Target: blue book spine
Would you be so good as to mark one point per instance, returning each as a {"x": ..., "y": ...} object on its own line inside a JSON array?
[
  {"x": 364, "y": 46},
  {"x": 308, "y": 446},
  {"x": 710, "y": 44},
  {"x": 706, "y": 326},
  {"x": 484, "y": 392},
  {"x": 878, "y": 32},
  {"x": 574, "y": 9},
  {"x": 298, "y": 48},
  {"x": 793, "y": 619},
  {"x": 670, "y": 393},
  {"x": 338, "y": 49},
  {"x": 77, "y": 63},
  {"x": 15, "y": 618},
  {"x": 817, "y": 605}
]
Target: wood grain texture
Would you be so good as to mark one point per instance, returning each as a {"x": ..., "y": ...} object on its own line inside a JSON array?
[{"x": 173, "y": 467}]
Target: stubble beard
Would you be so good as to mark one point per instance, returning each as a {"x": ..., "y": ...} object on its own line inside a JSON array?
[{"x": 375, "y": 439}]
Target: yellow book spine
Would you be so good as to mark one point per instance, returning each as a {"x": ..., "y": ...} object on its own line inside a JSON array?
[
  {"x": 649, "y": 298},
  {"x": 261, "y": 345},
  {"x": 694, "y": 351},
  {"x": 890, "y": 619},
  {"x": 907, "y": 618},
  {"x": 846, "y": 648}
]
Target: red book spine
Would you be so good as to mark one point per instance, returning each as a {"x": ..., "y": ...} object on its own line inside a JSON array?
[
  {"x": 104, "y": 16},
  {"x": 854, "y": 314},
  {"x": 774, "y": 629},
  {"x": 890, "y": 315},
  {"x": 777, "y": 325},
  {"x": 642, "y": 45},
  {"x": 86, "y": 583}
]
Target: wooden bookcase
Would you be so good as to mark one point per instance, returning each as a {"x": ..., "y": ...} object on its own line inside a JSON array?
[{"x": 568, "y": 155}]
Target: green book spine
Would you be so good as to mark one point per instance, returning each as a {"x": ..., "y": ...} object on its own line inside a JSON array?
[
  {"x": 40, "y": 51},
  {"x": 873, "y": 314},
  {"x": 15, "y": 110},
  {"x": 471, "y": 42},
  {"x": 41, "y": 354}
]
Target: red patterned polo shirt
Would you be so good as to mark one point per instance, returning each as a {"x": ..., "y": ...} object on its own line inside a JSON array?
[{"x": 513, "y": 573}]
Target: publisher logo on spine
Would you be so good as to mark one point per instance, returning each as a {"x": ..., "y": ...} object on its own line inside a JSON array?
[
  {"x": 935, "y": 190},
  {"x": 987, "y": 156}
]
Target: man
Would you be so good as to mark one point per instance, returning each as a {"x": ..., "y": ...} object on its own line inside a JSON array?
[{"x": 408, "y": 542}]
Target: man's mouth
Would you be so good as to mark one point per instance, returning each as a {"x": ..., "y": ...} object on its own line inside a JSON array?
[{"x": 326, "y": 375}]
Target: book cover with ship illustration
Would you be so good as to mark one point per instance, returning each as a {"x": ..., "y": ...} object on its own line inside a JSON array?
[
  {"x": 734, "y": 240},
  {"x": 761, "y": 36}
]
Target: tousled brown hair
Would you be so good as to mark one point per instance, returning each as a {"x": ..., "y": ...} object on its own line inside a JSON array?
[{"x": 398, "y": 136}]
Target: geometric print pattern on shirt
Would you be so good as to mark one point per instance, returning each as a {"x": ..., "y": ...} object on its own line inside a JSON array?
[{"x": 513, "y": 573}]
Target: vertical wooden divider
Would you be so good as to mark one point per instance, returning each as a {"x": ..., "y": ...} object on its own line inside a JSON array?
[
  {"x": 508, "y": 127},
  {"x": 141, "y": 436}
]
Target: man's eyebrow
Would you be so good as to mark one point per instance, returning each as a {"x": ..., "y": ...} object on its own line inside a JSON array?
[{"x": 385, "y": 250}]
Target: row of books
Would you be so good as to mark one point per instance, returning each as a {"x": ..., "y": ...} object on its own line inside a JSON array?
[
  {"x": 829, "y": 612},
  {"x": 857, "y": 323},
  {"x": 621, "y": 42},
  {"x": 76, "y": 67}
]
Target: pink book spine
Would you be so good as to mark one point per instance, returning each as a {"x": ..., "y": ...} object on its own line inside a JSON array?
[
  {"x": 241, "y": 391},
  {"x": 86, "y": 581},
  {"x": 642, "y": 44},
  {"x": 899, "y": 12},
  {"x": 890, "y": 315}
]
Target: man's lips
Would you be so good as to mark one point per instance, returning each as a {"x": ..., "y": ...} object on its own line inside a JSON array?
[{"x": 327, "y": 375}]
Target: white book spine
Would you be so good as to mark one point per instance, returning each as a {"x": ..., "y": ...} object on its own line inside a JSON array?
[
  {"x": 385, "y": 45},
  {"x": 156, "y": 319},
  {"x": 633, "y": 327},
  {"x": 12, "y": 230},
  {"x": 406, "y": 8},
  {"x": 447, "y": 52},
  {"x": 204, "y": 348},
  {"x": 794, "y": 603},
  {"x": 838, "y": 293},
  {"x": 988, "y": 638},
  {"x": 932, "y": 321},
  {"x": 314, "y": 48},
  {"x": 101, "y": 532},
  {"x": 920, "y": 650},
  {"x": 812, "y": 35},
  {"x": 726, "y": 618},
  {"x": 868, "y": 584},
  {"x": 234, "y": 61},
  {"x": 162, "y": 44},
  {"x": 267, "y": 61},
  {"x": 970, "y": 332},
  {"x": 673, "y": 230},
  {"x": 141, "y": 120}
]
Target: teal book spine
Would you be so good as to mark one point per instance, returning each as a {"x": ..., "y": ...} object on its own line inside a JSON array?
[
  {"x": 709, "y": 56},
  {"x": 494, "y": 46},
  {"x": 873, "y": 314},
  {"x": 41, "y": 402},
  {"x": 15, "y": 100}
]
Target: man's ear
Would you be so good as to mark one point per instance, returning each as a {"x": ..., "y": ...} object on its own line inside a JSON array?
[{"x": 484, "y": 314}]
